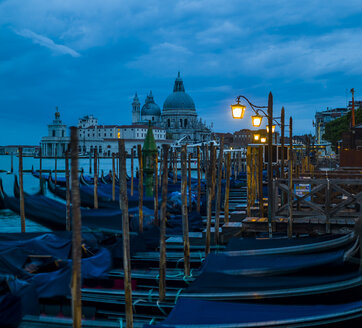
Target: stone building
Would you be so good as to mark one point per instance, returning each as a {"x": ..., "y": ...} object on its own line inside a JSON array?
[
  {"x": 56, "y": 142},
  {"x": 178, "y": 116}
]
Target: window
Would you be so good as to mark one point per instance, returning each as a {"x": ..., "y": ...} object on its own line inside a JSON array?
[
  {"x": 105, "y": 134},
  {"x": 53, "y": 133},
  {"x": 180, "y": 122},
  {"x": 62, "y": 133},
  {"x": 168, "y": 123},
  {"x": 185, "y": 123},
  {"x": 153, "y": 118}
]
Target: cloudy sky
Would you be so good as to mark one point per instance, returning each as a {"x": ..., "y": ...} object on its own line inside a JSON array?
[{"x": 90, "y": 56}]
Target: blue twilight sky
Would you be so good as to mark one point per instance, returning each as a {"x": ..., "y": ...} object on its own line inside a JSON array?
[{"x": 90, "y": 56}]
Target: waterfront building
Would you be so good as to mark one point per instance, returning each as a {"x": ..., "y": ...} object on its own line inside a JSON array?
[
  {"x": 178, "y": 116},
  {"x": 55, "y": 144},
  {"x": 324, "y": 117}
]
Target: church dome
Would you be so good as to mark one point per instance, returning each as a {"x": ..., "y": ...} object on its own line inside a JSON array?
[
  {"x": 179, "y": 99},
  {"x": 150, "y": 107}
]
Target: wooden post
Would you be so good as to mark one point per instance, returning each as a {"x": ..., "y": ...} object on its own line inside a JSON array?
[
  {"x": 155, "y": 190},
  {"x": 125, "y": 233},
  {"x": 90, "y": 162},
  {"x": 95, "y": 186},
  {"x": 12, "y": 163},
  {"x": 209, "y": 199},
  {"x": 140, "y": 187},
  {"x": 198, "y": 180},
  {"x": 21, "y": 186},
  {"x": 189, "y": 182},
  {"x": 282, "y": 175},
  {"x": 77, "y": 234},
  {"x": 175, "y": 158},
  {"x": 162, "y": 281},
  {"x": 260, "y": 182},
  {"x": 227, "y": 187},
  {"x": 185, "y": 224},
  {"x": 218, "y": 197},
  {"x": 290, "y": 179},
  {"x": 160, "y": 169},
  {"x": 67, "y": 186},
  {"x": 248, "y": 180},
  {"x": 113, "y": 177},
  {"x": 40, "y": 164},
  {"x": 55, "y": 166},
  {"x": 132, "y": 167},
  {"x": 327, "y": 206}
]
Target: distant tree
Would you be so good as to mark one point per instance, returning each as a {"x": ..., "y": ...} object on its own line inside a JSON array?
[{"x": 334, "y": 129}]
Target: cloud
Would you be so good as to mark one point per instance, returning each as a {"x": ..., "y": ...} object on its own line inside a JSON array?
[{"x": 48, "y": 43}]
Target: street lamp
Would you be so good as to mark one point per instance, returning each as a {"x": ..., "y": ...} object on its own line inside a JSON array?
[
  {"x": 238, "y": 112},
  {"x": 256, "y": 137},
  {"x": 263, "y": 140}
]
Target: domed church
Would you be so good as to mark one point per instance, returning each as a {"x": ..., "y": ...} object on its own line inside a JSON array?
[{"x": 178, "y": 116}]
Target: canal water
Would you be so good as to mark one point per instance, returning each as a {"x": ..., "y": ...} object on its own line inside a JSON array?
[{"x": 9, "y": 221}]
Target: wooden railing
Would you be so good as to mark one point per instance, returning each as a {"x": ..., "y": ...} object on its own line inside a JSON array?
[{"x": 337, "y": 198}]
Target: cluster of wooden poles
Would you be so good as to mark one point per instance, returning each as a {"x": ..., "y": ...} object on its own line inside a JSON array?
[{"x": 213, "y": 168}]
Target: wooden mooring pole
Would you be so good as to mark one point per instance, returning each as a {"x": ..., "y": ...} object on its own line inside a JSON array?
[
  {"x": 290, "y": 180},
  {"x": 113, "y": 177},
  {"x": 77, "y": 234},
  {"x": 125, "y": 233},
  {"x": 21, "y": 186},
  {"x": 40, "y": 165},
  {"x": 198, "y": 180},
  {"x": 227, "y": 188},
  {"x": 132, "y": 169},
  {"x": 140, "y": 188},
  {"x": 218, "y": 196},
  {"x": 185, "y": 222},
  {"x": 189, "y": 182},
  {"x": 95, "y": 185},
  {"x": 55, "y": 166},
  {"x": 155, "y": 190},
  {"x": 209, "y": 199},
  {"x": 12, "y": 163},
  {"x": 67, "y": 186},
  {"x": 162, "y": 281}
]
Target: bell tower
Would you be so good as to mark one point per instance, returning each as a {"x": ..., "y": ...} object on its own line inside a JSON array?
[{"x": 136, "y": 112}]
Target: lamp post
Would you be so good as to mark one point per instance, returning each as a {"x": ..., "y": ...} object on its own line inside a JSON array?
[{"x": 238, "y": 111}]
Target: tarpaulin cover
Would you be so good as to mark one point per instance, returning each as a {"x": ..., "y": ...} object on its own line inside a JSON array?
[
  {"x": 269, "y": 264},
  {"x": 198, "y": 312},
  {"x": 57, "y": 283},
  {"x": 46, "y": 244}
]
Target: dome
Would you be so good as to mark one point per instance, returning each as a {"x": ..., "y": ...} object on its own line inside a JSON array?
[
  {"x": 150, "y": 107},
  {"x": 179, "y": 99}
]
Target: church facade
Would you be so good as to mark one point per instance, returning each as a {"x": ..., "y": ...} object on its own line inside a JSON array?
[{"x": 178, "y": 116}]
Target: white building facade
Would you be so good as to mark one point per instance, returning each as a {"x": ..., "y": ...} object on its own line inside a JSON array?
[{"x": 56, "y": 143}]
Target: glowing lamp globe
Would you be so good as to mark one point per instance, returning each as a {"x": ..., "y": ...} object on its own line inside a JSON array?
[
  {"x": 263, "y": 140},
  {"x": 256, "y": 120},
  {"x": 238, "y": 110},
  {"x": 256, "y": 137},
  {"x": 273, "y": 128}
]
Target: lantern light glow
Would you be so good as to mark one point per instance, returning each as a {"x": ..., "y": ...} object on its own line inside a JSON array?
[
  {"x": 256, "y": 120},
  {"x": 238, "y": 110}
]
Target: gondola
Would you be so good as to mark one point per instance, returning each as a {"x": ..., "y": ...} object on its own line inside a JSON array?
[
  {"x": 198, "y": 313},
  {"x": 104, "y": 196},
  {"x": 303, "y": 245}
]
